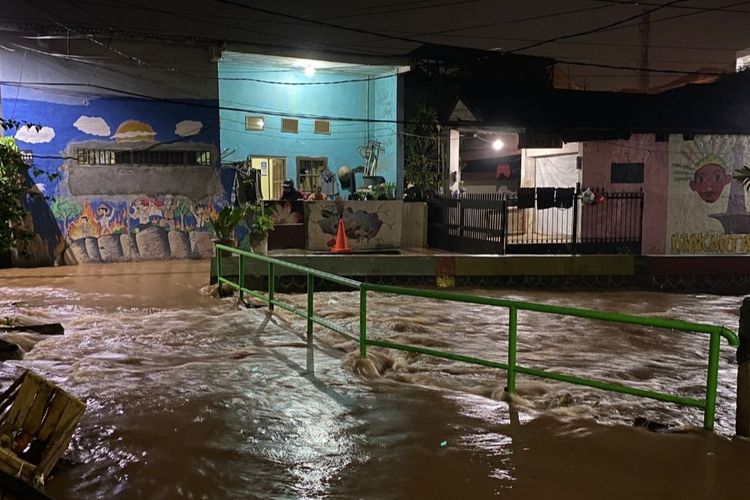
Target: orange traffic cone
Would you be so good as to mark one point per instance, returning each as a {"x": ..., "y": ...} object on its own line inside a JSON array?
[{"x": 341, "y": 245}]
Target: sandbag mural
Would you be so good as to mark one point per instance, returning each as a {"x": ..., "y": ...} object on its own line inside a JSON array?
[
  {"x": 708, "y": 212},
  {"x": 145, "y": 228},
  {"x": 113, "y": 207}
]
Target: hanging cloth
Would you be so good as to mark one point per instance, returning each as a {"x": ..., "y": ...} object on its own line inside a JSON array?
[
  {"x": 545, "y": 198},
  {"x": 564, "y": 197},
  {"x": 328, "y": 184},
  {"x": 525, "y": 197},
  {"x": 247, "y": 186}
]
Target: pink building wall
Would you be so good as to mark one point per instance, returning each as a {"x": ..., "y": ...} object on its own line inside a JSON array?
[{"x": 641, "y": 148}]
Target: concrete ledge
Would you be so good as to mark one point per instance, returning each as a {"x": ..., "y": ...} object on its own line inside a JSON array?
[{"x": 559, "y": 271}]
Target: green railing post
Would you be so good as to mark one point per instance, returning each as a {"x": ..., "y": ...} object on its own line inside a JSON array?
[
  {"x": 363, "y": 321},
  {"x": 271, "y": 285},
  {"x": 512, "y": 336},
  {"x": 241, "y": 272},
  {"x": 712, "y": 381},
  {"x": 310, "y": 314},
  {"x": 708, "y": 404},
  {"x": 218, "y": 268}
]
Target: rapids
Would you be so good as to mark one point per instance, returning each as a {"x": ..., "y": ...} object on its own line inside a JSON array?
[{"x": 189, "y": 396}]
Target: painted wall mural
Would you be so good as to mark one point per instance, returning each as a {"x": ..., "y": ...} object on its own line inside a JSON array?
[
  {"x": 369, "y": 225},
  {"x": 112, "y": 231},
  {"x": 708, "y": 212},
  {"x": 138, "y": 180}
]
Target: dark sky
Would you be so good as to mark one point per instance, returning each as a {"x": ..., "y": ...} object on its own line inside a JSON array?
[{"x": 685, "y": 35}]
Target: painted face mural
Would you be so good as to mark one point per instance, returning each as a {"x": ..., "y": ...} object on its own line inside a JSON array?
[{"x": 709, "y": 182}]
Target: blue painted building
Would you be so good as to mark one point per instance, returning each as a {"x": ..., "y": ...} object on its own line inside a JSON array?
[
  {"x": 294, "y": 118},
  {"x": 140, "y": 140}
]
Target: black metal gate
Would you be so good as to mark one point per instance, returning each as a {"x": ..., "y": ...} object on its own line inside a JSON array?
[
  {"x": 491, "y": 223},
  {"x": 472, "y": 224}
]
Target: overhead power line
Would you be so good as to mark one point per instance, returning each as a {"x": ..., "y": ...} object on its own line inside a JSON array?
[
  {"x": 687, "y": 7},
  {"x": 703, "y": 10},
  {"x": 253, "y": 31},
  {"x": 594, "y": 30},
  {"x": 320, "y": 23},
  {"x": 182, "y": 102},
  {"x": 636, "y": 68},
  {"x": 411, "y": 40}
]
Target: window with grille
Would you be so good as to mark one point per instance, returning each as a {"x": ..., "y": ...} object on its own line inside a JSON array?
[
  {"x": 289, "y": 125},
  {"x": 111, "y": 157},
  {"x": 308, "y": 172},
  {"x": 322, "y": 127},
  {"x": 28, "y": 157}
]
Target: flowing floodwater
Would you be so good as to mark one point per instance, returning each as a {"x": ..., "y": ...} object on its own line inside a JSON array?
[{"x": 190, "y": 396}]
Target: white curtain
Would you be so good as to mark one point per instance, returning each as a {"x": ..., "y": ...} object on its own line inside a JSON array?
[{"x": 555, "y": 171}]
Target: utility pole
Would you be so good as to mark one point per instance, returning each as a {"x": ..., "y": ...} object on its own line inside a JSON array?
[{"x": 644, "y": 32}]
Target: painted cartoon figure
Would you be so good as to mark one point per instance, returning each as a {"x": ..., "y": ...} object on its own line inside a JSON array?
[
  {"x": 87, "y": 228},
  {"x": 201, "y": 217},
  {"x": 104, "y": 216},
  {"x": 168, "y": 209},
  {"x": 709, "y": 182},
  {"x": 139, "y": 210}
]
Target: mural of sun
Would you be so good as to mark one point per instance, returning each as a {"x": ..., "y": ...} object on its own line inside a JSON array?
[{"x": 134, "y": 131}]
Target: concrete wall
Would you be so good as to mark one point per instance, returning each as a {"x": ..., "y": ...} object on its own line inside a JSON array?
[
  {"x": 692, "y": 204},
  {"x": 643, "y": 148},
  {"x": 414, "y": 225},
  {"x": 369, "y": 225},
  {"x": 142, "y": 97},
  {"x": 348, "y": 105}
]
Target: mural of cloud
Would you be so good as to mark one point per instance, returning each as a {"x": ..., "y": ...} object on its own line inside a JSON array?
[
  {"x": 186, "y": 128},
  {"x": 34, "y": 136},
  {"x": 134, "y": 131},
  {"x": 92, "y": 125}
]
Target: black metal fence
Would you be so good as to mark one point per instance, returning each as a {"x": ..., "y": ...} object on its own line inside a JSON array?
[{"x": 545, "y": 223}]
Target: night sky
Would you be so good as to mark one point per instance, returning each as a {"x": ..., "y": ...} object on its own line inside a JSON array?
[{"x": 685, "y": 35}]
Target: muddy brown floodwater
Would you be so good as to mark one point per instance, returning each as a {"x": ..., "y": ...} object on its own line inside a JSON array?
[{"x": 194, "y": 397}]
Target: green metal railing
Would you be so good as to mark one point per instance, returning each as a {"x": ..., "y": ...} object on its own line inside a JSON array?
[{"x": 707, "y": 404}]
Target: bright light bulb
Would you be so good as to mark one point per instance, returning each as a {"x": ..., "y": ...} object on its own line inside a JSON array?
[
  {"x": 309, "y": 70},
  {"x": 497, "y": 145}
]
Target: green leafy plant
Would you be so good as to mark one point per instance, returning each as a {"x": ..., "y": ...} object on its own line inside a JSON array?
[
  {"x": 743, "y": 175},
  {"x": 378, "y": 192},
  {"x": 225, "y": 222},
  {"x": 259, "y": 221},
  {"x": 13, "y": 188},
  {"x": 421, "y": 167},
  {"x": 390, "y": 190}
]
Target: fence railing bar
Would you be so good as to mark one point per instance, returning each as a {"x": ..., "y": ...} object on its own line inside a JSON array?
[
  {"x": 708, "y": 405},
  {"x": 614, "y": 387}
]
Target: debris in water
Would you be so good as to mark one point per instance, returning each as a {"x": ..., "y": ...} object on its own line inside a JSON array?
[
  {"x": 46, "y": 329},
  {"x": 37, "y": 420},
  {"x": 443, "y": 443},
  {"x": 651, "y": 425}
]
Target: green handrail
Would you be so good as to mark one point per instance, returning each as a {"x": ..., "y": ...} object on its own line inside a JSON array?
[{"x": 708, "y": 404}]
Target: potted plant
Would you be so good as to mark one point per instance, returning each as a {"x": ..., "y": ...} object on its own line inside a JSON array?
[
  {"x": 225, "y": 222},
  {"x": 390, "y": 190},
  {"x": 378, "y": 192},
  {"x": 384, "y": 191},
  {"x": 259, "y": 223}
]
